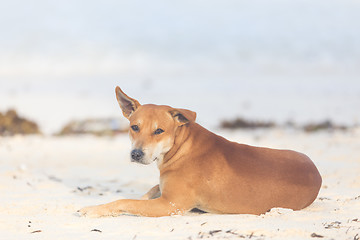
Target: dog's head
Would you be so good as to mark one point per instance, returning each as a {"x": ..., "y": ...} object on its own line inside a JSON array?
[{"x": 152, "y": 127}]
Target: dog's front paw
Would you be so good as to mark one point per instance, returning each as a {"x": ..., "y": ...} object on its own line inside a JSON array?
[{"x": 94, "y": 212}]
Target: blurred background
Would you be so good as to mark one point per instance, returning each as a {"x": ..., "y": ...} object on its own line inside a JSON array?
[{"x": 274, "y": 60}]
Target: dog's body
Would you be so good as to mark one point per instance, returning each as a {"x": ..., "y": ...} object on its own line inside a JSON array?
[{"x": 199, "y": 169}]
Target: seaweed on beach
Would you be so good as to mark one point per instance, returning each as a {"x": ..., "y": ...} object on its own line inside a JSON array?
[
  {"x": 11, "y": 124},
  {"x": 311, "y": 127},
  {"x": 98, "y": 127},
  {"x": 246, "y": 124},
  {"x": 324, "y": 125}
]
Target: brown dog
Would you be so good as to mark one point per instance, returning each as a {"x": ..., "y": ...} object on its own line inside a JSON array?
[{"x": 199, "y": 169}]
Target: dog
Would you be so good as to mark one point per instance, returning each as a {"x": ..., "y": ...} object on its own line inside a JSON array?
[{"x": 199, "y": 169}]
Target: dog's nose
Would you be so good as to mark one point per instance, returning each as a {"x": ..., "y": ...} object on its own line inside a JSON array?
[{"x": 137, "y": 154}]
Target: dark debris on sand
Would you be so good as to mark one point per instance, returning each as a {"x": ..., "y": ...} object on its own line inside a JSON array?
[
  {"x": 221, "y": 234},
  {"x": 246, "y": 124},
  {"x": 11, "y": 124},
  {"x": 311, "y": 127},
  {"x": 97, "y": 127}
]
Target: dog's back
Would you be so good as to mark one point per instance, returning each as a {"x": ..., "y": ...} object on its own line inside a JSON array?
[{"x": 238, "y": 178}]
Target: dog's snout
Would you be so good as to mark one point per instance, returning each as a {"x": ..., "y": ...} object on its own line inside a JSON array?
[{"x": 137, "y": 154}]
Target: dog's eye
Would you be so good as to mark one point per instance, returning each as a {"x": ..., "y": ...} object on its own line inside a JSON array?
[
  {"x": 135, "y": 128},
  {"x": 158, "y": 131}
]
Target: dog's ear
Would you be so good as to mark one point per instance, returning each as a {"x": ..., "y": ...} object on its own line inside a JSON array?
[
  {"x": 183, "y": 116},
  {"x": 127, "y": 104}
]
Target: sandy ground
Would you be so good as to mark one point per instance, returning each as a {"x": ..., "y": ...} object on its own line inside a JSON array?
[{"x": 45, "y": 180}]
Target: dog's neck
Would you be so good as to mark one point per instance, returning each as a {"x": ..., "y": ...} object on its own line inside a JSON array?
[{"x": 182, "y": 138}]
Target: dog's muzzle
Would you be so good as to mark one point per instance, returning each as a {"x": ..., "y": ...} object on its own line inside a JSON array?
[{"x": 137, "y": 155}]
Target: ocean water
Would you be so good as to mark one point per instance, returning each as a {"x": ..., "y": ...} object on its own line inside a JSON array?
[{"x": 273, "y": 60}]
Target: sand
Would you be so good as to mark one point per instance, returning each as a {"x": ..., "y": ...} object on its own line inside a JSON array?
[{"x": 44, "y": 180}]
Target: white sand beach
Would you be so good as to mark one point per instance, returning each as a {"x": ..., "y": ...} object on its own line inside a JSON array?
[
  {"x": 287, "y": 61},
  {"x": 45, "y": 180}
]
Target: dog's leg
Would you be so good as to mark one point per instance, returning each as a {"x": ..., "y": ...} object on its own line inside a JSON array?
[
  {"x": 149, "y": 208},
  {"x": 152, "y": 193}
]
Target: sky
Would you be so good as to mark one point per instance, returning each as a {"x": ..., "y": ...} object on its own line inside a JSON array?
[{"x": 279, "y": 60}]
